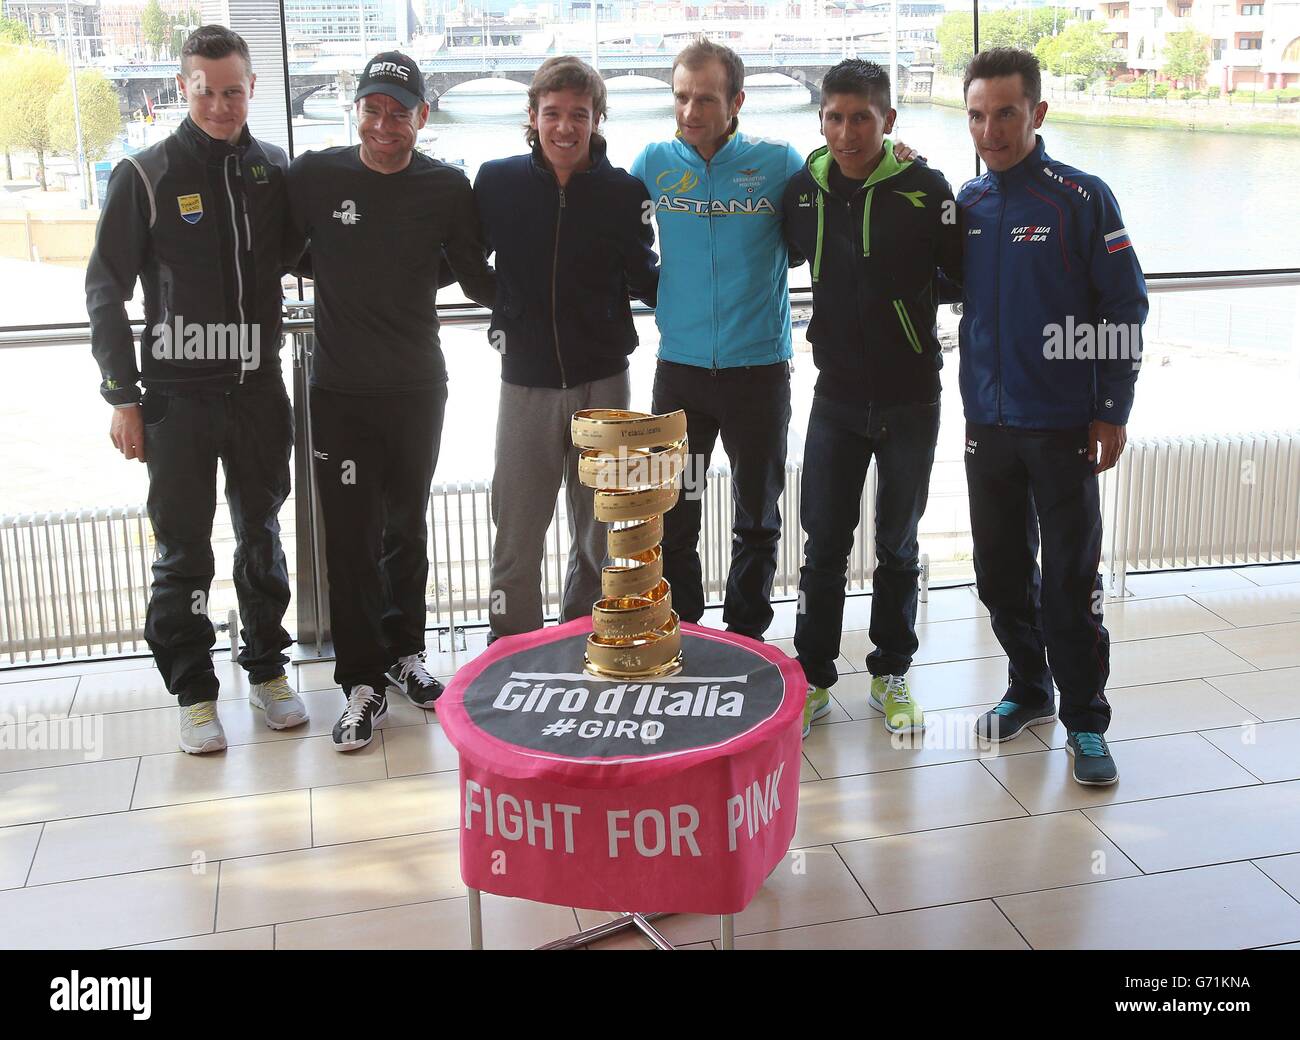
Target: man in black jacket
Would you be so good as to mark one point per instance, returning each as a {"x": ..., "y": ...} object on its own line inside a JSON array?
[
  {"x": 381, "y": 219},
  {"x": 876, "y": 230},
  {"x": 571, "y": 240},
  {"x": 199, "y": 219}
]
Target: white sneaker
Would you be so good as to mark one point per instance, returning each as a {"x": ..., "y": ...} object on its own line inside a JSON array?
[
  {"x": 284, "y": 708},
  {"x": 201, "y": 730}
]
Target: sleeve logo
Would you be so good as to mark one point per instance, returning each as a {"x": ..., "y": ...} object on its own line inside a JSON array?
[{"x": 1118, "y": 240}]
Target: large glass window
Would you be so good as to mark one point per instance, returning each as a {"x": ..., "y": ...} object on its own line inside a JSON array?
[{"x": 1197, "y": 136}]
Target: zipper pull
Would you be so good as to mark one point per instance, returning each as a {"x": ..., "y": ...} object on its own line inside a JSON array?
[{"x": 561, "y": 198}]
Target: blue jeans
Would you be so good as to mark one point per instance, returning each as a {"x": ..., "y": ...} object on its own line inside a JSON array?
[{"x": 842, "y": 439}]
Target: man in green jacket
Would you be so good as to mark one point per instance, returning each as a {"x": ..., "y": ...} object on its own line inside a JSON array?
[{"x": 877, "y": 231}]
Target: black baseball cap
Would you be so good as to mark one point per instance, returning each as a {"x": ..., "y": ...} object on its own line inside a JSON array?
[{"x": 395, "y": 74}]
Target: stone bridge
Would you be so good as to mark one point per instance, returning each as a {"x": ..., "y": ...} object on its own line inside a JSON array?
[{"x": 444, "y": 73}]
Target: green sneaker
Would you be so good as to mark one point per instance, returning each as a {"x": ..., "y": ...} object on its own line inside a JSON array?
[
  {"x": 817, "y": 705},
  {"x": 889, "y": 695}
]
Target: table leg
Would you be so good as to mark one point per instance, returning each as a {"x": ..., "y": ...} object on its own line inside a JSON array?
[
  {"x": 728, "y": 931},
  {"x": 612, "y": 927},
  {"x": 651, "y": 932},
  {"x": 475, "y": 920}
]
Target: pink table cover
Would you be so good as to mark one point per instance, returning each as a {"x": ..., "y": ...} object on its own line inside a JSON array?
[{"x": 675, "y": 795}]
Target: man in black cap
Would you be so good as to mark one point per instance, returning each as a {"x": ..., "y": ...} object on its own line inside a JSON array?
[{"x": 380, "y": 219}]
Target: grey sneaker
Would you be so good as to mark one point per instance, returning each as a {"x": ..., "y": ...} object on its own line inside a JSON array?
[
  {"x": 284, "y": 708},
  {"x": 201, "y": 730}
]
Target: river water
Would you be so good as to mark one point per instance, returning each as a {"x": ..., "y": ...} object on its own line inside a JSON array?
[{"x": 1203, "y": 201}]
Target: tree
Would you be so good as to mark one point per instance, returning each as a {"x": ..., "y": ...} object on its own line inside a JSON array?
[
  {"x": 192, "y": 19},
  {"x": 13, "y": 31},
  {"x": 155, "y": 27},
  {"x": 1081, "y": 49},
  {"x": 955, "y": 33},
  {"x": 101, "y": 119},
  {"x": 1187, "y": 56},
  {"x": 28, "y": 78}
]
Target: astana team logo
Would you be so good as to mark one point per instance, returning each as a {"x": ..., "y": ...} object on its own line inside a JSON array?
[
  {"x": 677, "y": 182},
  {"x": 673, "y": 186}
]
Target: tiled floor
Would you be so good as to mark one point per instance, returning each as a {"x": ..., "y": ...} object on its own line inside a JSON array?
[{"x": 281, "y": 842}]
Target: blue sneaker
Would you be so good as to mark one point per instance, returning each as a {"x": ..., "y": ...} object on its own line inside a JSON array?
[
  {"x": 1009, "y": 719},
  {"x": 1093, "y": 764}
]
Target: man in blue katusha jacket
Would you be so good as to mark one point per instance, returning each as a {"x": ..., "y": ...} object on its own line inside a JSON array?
[
  {"x": 724, "y": 324},
  {"x": 1051, "y": 340}
]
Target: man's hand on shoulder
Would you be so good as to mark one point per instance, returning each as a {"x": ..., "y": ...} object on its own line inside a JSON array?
[
  {"x": 1111, "y": 439},
  {"x": 127, "y": 431},
  {"x": 905, "y": 152}
]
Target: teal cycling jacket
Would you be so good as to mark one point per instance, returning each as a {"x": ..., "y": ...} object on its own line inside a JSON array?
[{"x": 723, "y": 292}]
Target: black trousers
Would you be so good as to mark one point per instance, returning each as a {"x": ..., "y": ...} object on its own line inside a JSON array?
[
  {"x": 250, "y": 430},
  {"x": 1026, "y": 487},
  {"x": 750, "y": 409},
  {"x": 374, "y": 459},
  {"x": 842, "y": 438}
]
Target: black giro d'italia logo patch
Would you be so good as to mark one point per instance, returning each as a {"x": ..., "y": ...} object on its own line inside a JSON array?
[{"x": 541, "y": 699}]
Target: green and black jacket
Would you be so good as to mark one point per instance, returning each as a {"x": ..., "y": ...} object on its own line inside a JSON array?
[{"x": 876, "y": 260}]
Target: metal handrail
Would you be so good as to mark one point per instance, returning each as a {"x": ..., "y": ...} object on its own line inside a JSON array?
[{"x": 76, "y": 333}]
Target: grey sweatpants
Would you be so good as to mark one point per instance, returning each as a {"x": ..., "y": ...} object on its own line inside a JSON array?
[{"x": 534, "y": 454}]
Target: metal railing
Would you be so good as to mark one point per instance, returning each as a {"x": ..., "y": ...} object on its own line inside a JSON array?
[{"x": 74, "y": 584}]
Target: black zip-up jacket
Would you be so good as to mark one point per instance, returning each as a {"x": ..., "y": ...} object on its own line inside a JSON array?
[
  {"x": 876, "y": 261},
  {"x": 203, "y": 225},
  {"x": 567, "y": 260}
]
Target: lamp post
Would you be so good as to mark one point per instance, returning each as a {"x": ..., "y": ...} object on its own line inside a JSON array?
[
  {"x": 76, "y": 106},
  {"x": 347, "y": 83}
]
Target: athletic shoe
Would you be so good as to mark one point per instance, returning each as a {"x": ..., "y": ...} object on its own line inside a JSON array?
[
  {"x": 201, "y": 730},
  {"x": 817, "y": 705},
  {"x": 409, "y": 676},
  {"x": 890, "y": 695},
  {"x": 1093, "y": 765},
  {"x": 1008, "y": 719},
  {"x": 284, "y": 709},
  {"x": 356, "y": 726}
]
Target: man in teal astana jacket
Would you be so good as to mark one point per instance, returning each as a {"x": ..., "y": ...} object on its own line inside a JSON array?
[{"x": 724, "y": 324}]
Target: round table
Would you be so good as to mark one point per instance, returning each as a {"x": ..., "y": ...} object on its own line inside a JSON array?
[{"x": 674, "y": 795}]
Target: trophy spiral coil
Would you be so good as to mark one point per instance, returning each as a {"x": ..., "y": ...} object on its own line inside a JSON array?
[{"x": 632, "y": 461}]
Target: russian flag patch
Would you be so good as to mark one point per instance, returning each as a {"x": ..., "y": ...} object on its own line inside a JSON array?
[{"x": 1118, "y": 240}]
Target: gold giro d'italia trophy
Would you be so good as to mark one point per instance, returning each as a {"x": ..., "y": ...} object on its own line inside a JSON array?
[{"x": 633, "y": 461}]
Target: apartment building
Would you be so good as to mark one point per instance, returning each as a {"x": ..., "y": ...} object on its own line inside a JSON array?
[{"x": 1254, "y": 44}]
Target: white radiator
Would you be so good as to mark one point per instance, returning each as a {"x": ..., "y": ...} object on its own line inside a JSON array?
[
  {"x": 462, "y": 533},
  {"x": 73, "y": 584},
  {"x": 1202, "y": 502},
  {"x": 76, "y": 584}
]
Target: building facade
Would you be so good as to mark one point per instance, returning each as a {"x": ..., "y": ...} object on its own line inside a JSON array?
[
  {"x": 120, "y": 21},
  {"x": 1254, "y": 44},
  {"x": 52, "y": 21},
  {"x": 384, "y": 23}
]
